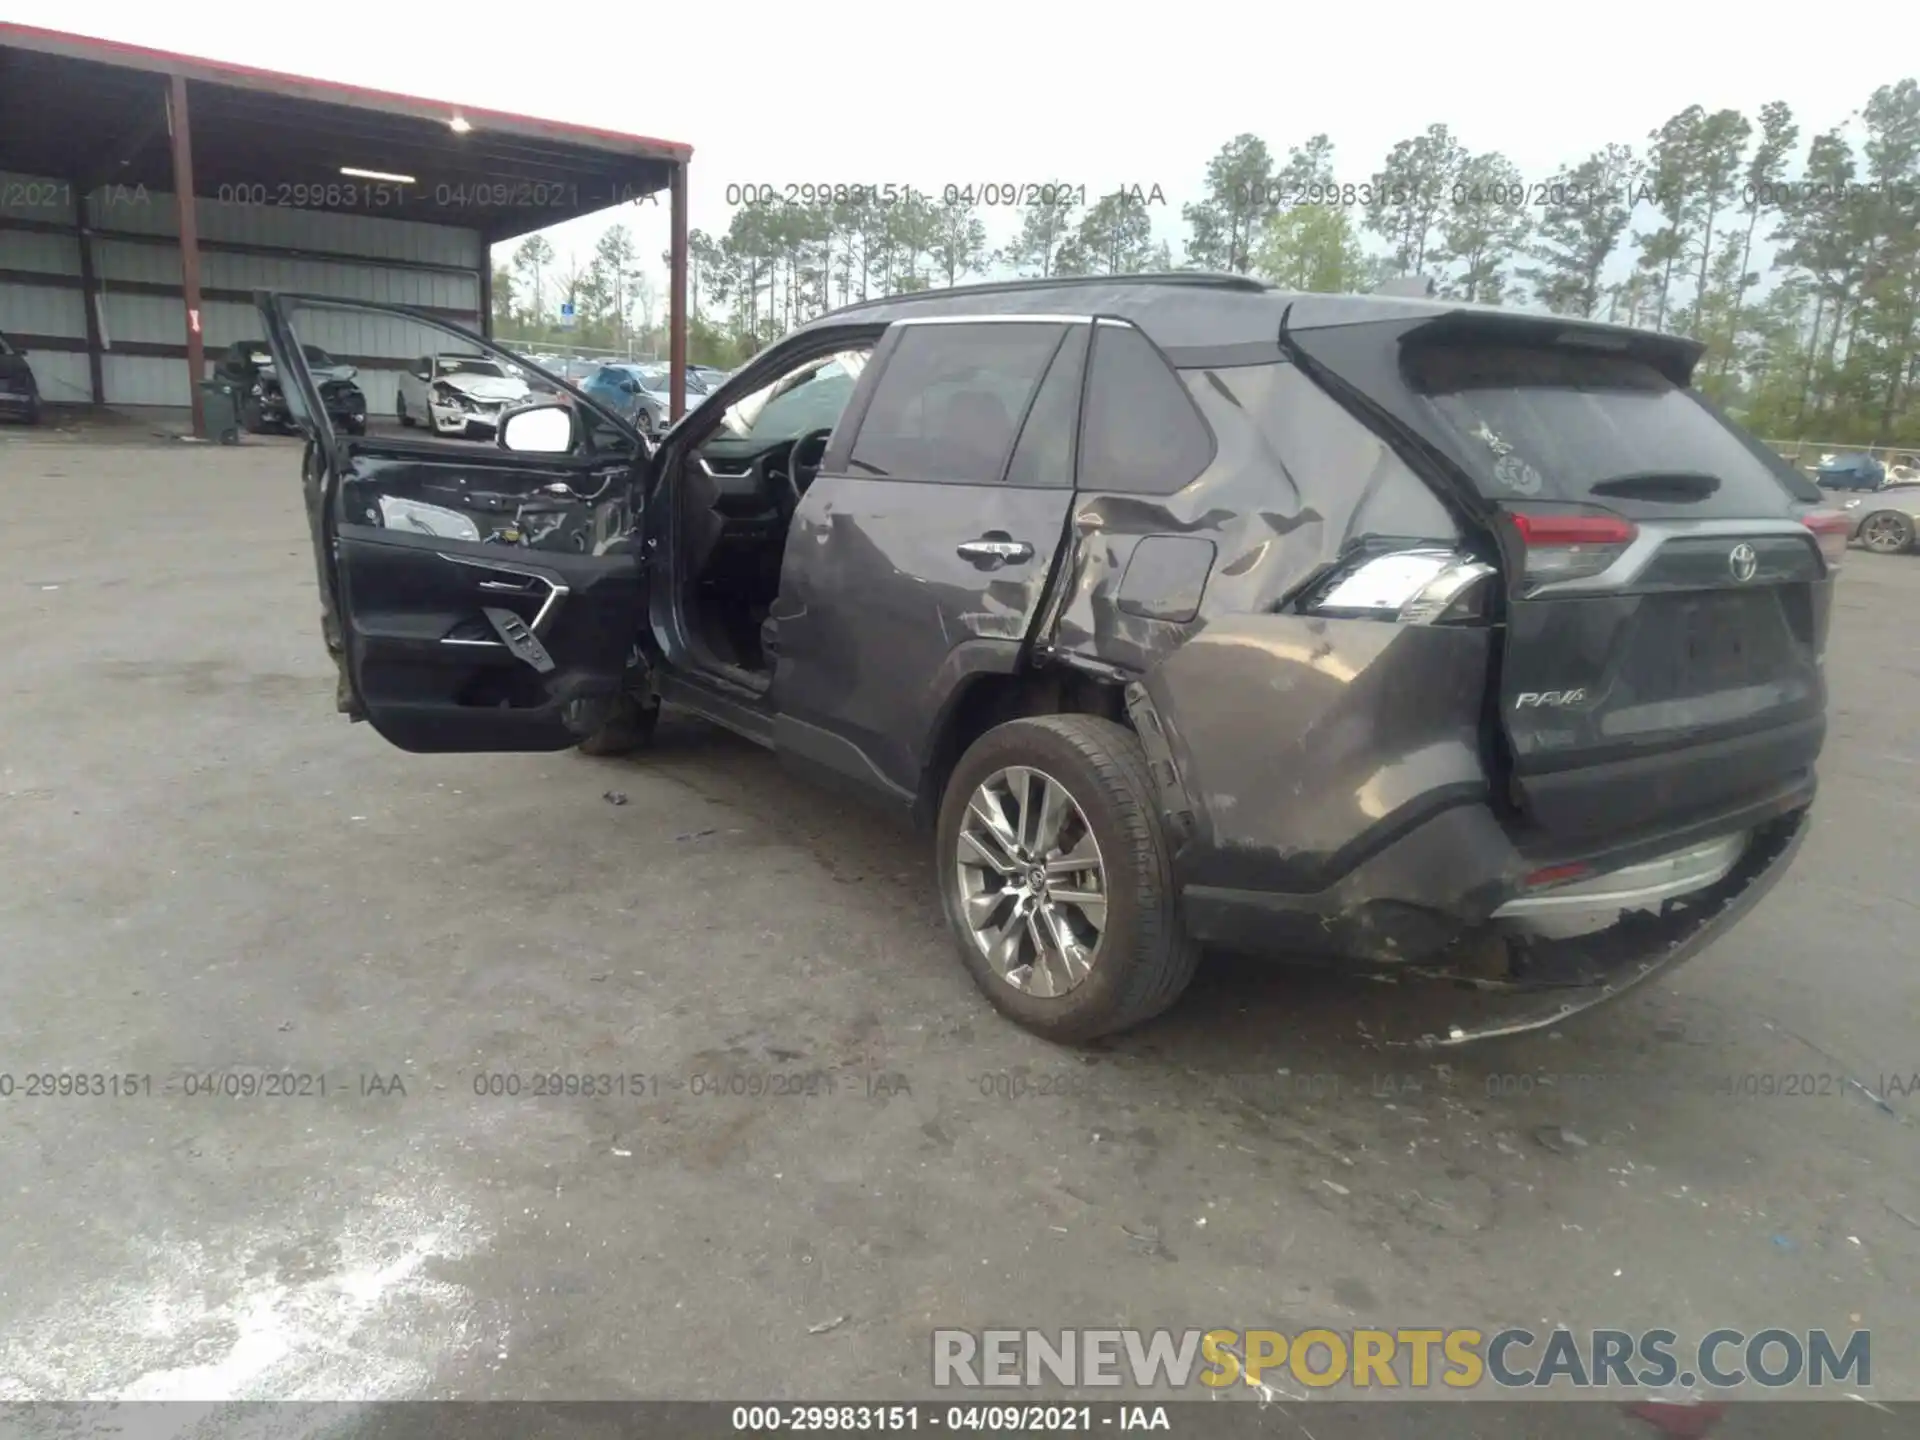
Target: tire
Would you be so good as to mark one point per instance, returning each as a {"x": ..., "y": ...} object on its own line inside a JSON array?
[
  {"x": 251, "y": 419},
  {"x": 1142, "y": 959},
  {"x": 627, "y": 728},
  {"x": 400, "y": 410},
  {"x": 1887, "y": 532}
]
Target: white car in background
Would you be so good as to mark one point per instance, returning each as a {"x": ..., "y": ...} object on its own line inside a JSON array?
[{"x": 456, "y": 394}]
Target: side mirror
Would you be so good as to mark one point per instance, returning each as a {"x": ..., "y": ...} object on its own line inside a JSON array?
[{"x": 538, "y": 430}]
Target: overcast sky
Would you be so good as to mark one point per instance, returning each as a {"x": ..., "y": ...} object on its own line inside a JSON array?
[{"x": 851, "y": 91}]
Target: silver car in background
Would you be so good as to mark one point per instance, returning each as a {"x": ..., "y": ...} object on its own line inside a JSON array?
[{"x": 1886, "y": 520}]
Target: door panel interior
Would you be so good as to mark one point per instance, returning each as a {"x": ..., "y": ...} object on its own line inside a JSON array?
[
  {"x": 487, "y": 599},
  {"x": 439, "y": 553}
]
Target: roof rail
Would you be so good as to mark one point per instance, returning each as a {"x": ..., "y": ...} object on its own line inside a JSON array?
[{"x": 1197, "y": 279}]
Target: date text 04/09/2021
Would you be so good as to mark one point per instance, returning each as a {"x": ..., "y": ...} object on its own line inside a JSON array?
[{"x": 959, "y": 1419}]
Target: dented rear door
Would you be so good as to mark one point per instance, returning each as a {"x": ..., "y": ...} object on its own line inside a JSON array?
[{"x": 922, "y": 550}]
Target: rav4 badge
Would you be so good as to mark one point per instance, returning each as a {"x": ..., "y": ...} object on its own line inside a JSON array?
[{"x": 1548, "y": 699}]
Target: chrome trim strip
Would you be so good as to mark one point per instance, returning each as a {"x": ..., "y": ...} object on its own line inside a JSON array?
[
  {"x": 998, "y": 320},
  {"x": 556, "y": 592},
  {"x": 1635, "y": 887},
  {"x": 1635, "y": 559}
]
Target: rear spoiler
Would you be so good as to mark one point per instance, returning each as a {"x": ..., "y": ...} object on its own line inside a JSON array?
[{"x": 1674, "y": 356}]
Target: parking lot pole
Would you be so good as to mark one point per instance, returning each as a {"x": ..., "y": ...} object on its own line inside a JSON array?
[
  {"x": 677, "y": 296},
  {"x": 177, "y": 127},
  {"x": 486, "y": 283}
]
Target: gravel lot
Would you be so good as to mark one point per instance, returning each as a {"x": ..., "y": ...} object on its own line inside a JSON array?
[{"x": 207, "y": 871}]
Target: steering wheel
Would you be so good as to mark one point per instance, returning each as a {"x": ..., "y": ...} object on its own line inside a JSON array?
[{"x": 804, "y": 463}]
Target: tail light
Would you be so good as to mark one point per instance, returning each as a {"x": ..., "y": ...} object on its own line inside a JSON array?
[
  {"x": 1421, "y": 586},
  {"x": 1829, "y": 527},
  {"x": 1570, "y": 546}
]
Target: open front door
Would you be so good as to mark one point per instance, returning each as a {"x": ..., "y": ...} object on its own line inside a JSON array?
[{"x": 489, "y": 598}]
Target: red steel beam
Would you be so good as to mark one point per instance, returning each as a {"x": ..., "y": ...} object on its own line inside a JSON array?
[
  {"x": 677, "y": 291},
  {"x": 180, "y": 129}
]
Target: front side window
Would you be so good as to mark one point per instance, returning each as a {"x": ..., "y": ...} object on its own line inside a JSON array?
[
  {"x": 803, "y": 400},
  {"x": 951, "y": 400}
]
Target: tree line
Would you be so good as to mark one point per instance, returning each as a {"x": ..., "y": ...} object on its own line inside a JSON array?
[{"x": 1795, "y": 260}]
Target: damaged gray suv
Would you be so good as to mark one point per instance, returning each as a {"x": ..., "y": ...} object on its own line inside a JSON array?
[{"x": 1184, "y": 611}]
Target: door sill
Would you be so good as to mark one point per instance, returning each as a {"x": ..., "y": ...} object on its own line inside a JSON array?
[{"x": 727, "y": 705}]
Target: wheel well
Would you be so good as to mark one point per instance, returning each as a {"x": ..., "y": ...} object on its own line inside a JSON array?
[{"x": 990, "y": 700}]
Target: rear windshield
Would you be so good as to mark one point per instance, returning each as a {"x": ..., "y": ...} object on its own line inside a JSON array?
[{"x": 1539, "y": 423}]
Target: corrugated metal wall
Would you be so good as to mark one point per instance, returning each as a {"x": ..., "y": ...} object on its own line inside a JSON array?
[
  {"x": 29, "y": 309},
  {"x": 348, "y": 256}
]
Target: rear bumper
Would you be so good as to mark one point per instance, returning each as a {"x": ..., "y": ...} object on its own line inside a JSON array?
[
  {"x": 16, "y": 406},
  {"x": 1519, "y": 982},
  {"x": 1461, "y": 872}
]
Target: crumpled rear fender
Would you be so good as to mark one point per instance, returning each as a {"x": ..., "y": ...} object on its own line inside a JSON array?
[{"x": 1304, "y": 745}]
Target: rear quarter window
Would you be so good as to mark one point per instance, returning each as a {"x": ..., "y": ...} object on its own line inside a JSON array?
[{"x": 1142, "y": 434}]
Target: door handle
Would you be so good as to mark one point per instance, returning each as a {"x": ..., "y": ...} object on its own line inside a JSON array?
[{"x": 998, "y": 551}]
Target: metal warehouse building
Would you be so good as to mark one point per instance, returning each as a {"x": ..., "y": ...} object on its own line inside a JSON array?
[{"x": 120, "y": 293}]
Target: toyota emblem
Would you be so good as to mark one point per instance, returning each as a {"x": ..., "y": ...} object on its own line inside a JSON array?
[{"x": 1742, "y": 561}]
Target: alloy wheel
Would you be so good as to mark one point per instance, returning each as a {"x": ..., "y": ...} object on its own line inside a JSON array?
[
  {"x": 1885, "y": 533},
  {"x": 1032, "y": 883}
]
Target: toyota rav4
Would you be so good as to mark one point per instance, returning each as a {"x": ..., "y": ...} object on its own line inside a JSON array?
[{"x": 1184, "y": 611}]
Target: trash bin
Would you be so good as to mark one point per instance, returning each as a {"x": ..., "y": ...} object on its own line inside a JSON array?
[{"x": 220, "y": 402}]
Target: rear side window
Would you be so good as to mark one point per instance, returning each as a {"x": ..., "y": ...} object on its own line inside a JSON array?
[
  {"x": 1142, "y": 435},
  {"x": 1540, "y": 423},
  {"x": 1044, "y": 456},
  {"x": 950, "y": 400}
]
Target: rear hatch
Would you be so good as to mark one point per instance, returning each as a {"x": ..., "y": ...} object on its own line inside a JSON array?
[{"x": 1665, "y": 600}]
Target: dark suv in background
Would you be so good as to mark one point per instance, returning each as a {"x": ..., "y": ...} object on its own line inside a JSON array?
[
  {"x": 1183, "y": 610},
  {"x": 249, "y": 366},
  {"x": 19, "y": 391}
]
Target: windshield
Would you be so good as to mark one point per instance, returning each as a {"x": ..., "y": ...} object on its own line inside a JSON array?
[
  {"x": 807, "y": 399},
  {"x": 469, "y": 365},
  {"x": 1532, "y": 422},
  {"x": 316, "y": 356},
  {"x": 5, "y": 349}
]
